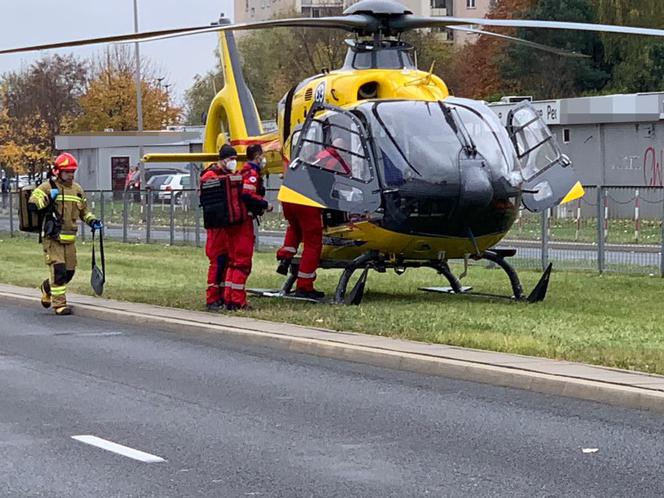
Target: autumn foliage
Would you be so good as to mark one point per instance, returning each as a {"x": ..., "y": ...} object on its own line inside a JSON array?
[{"x": 62, "y": 94}]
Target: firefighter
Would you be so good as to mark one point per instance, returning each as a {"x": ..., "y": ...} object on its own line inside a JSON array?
[
  {"x": 62, "y": 201},
  {"x": 216, "y": 245},
  {"x": 241, "y": 237}
]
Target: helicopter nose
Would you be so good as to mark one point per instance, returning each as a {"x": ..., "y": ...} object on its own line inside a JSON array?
[{"x": 476, "y": 188}]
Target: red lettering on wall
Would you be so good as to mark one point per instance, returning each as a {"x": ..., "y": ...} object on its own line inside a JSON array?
[{"x": 652, "y": 167}]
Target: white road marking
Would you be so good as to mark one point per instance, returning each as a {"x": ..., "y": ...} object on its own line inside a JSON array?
[
  {"x": 590, "y": 450},
  {"x": 119, "y": 449}
]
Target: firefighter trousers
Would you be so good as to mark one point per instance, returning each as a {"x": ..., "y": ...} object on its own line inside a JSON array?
[
  {"x": 305, "y": 225},
  {"x": 216, "y": 249},
  {"x": 61, "y": 259},
  {"x": 241, "y": 241}
]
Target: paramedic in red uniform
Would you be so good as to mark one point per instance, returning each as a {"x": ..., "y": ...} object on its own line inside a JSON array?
[
  {"x": 241, "y": 237},
  {"x": 305, "y": 224},
  {"x": 216, "y": 245}
]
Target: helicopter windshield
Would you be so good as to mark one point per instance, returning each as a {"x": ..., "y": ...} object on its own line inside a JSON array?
[{"x": 418, "y": 142}]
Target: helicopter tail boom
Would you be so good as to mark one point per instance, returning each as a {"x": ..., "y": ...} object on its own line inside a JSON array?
[{"x": 232, "y": 115}]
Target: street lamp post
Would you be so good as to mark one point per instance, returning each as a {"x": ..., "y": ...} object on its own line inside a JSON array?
[{"x": 139, "y": 101}]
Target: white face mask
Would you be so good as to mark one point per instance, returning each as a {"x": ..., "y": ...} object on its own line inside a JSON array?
[
  {"x": 263, "y": 163},
  {"x": 232, "y": 164}
]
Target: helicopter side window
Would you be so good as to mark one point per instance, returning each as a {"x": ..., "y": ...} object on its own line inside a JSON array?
[
  {"x": 334, "y": 143},
  {"x": 534, "y": 142}
]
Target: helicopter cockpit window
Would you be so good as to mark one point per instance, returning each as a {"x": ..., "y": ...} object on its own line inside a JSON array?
[
  {"x": 333, "y": 143},
  {"x": 390, "y": 58},
  {"x": 534, "y": 142}
]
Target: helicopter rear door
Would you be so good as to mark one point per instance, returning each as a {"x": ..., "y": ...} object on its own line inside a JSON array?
[
  {"x": 331, "y": 165},
  {"x": 549, "y": 176}
]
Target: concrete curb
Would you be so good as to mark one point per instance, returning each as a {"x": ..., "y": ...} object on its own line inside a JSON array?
[{"x": 612, "y": 386}]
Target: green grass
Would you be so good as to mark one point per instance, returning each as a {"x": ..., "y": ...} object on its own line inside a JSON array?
[{"x": 612, "y": 320}]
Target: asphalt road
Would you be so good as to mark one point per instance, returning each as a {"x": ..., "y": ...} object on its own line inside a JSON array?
[{"x": 229, "y": 421}]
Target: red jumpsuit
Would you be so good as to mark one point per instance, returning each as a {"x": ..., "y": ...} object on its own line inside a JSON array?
[
  {"x": 216, "y": 249},
  {"x": 305, "y": 225},
  {"x": 241, "y": 238}
]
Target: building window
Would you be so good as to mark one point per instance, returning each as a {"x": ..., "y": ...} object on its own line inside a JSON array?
[
  {"x": 315, "y": 12},
  {"x": 470, "y": 4},
  {"x": 567, "y": 135},
  {"x": 246, "y": 5}
]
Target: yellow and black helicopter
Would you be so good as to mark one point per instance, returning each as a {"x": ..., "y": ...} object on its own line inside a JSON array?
[{"x": 424, "y": 177}]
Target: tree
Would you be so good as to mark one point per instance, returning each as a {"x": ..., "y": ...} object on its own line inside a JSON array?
[
  {"x": 638, "y": 62},
  {"x": 109, "y": 100},
  {"x": 37, "y": 103},
  {"x": 198, "y": 97},
  {"x": 49, "y": 89},
  {"x": 477, "y": 65},
  {"x": 25, "y": 145},
  {"x": 547, "y": 76}
]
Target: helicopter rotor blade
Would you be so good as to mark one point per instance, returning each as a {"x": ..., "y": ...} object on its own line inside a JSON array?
[
  {"x": 521, "y": 41},
  {"x": 406, "y": 23},
  {"x": 102, "y": 39},
  {"x": 357, "y": 23}
]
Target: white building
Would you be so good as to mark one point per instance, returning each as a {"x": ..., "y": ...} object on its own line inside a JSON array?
[{"x": 261, "y": 10}]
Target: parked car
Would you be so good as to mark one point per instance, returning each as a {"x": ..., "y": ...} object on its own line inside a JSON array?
[
  {"x": 172, "y": 188},
  {"x": 155, "y": 183}
]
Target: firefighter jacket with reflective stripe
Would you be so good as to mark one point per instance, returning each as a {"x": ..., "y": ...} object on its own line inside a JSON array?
[{"x": 70, "y": 206}]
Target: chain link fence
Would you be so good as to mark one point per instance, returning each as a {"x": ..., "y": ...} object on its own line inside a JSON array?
[{"x": 617, "y": 229}]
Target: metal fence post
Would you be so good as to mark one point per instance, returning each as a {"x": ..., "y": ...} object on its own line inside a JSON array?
[
  {"x": 125, "y": 216},
  {"x": 101, "y": 207},
  {"x": 197, "y": 222},
  {"x": 545, "y": 239},
  {"x": 148, "y": 220},
  {"x": 11, "y": 215},
  {"x": 600, "y": 229},
  {"x": 172, "y": 220},
  {"x": 661, "y": 249},
  {"x": 257, "y": 227}
]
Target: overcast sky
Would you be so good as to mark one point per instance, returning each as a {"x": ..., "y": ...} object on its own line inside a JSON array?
[{"x": 32, "y": 22}]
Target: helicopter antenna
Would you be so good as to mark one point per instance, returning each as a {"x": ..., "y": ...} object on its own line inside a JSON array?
[{"x": 428, "y": 78}]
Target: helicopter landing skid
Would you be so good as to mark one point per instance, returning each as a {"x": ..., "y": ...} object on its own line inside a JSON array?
[
  {"x": 497, "y": 256},
  {"x": 446, "y": 290},
  {"x": 372, "y": 260},
  {"x": 279, "y": 294}
]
